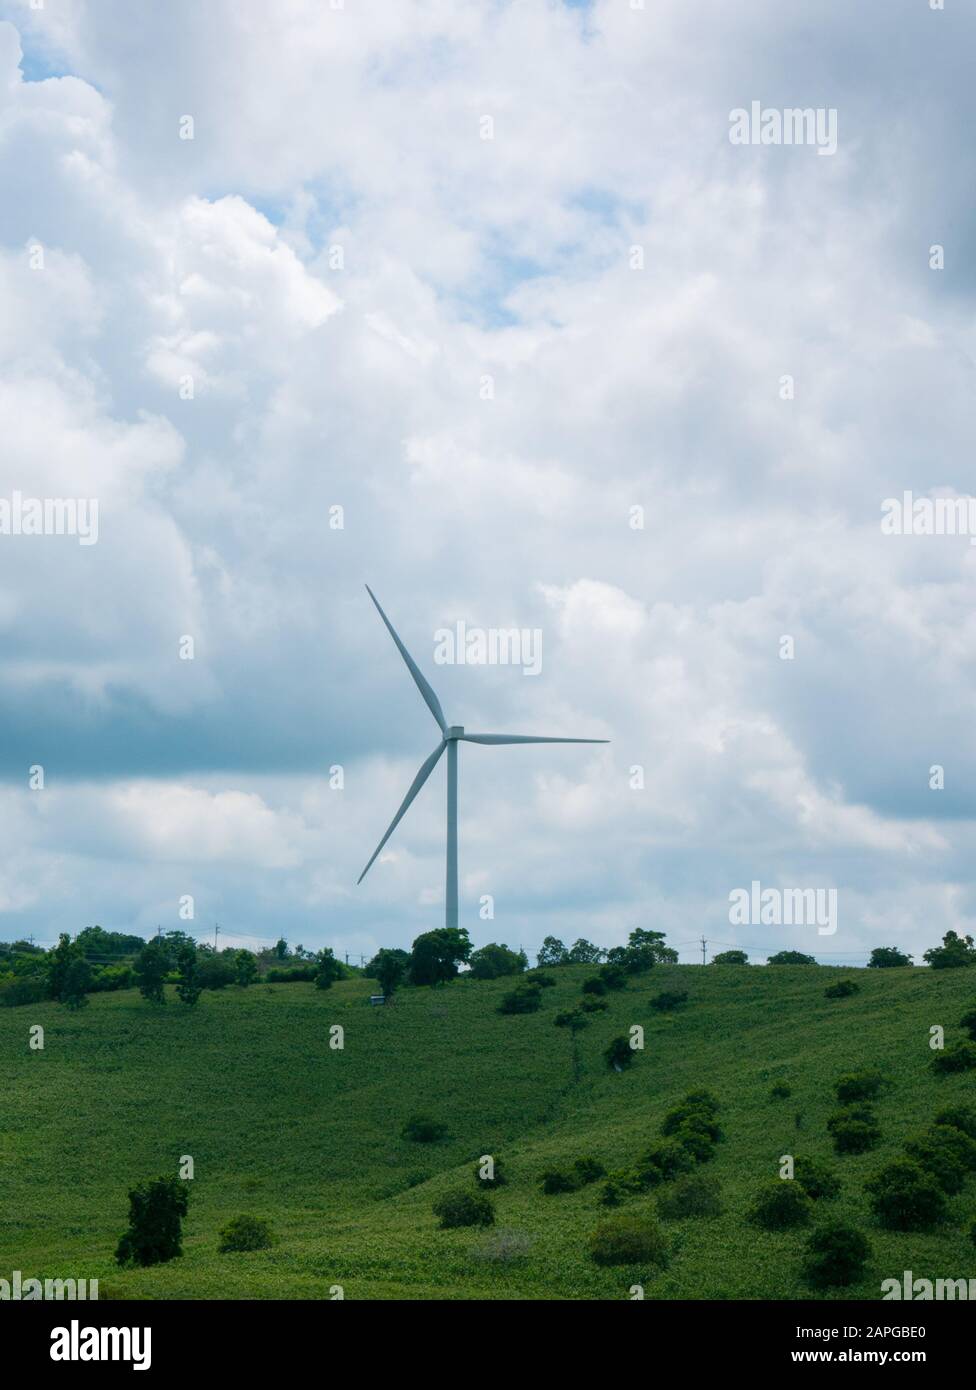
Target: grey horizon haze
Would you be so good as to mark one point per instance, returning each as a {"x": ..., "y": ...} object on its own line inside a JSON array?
[{"x": 451, "y": 736}]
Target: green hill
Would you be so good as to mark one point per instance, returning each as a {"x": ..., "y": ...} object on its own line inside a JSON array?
[{"x": 281, "y": 1125}]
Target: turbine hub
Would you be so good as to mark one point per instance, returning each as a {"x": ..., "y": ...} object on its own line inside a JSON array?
[{"x": 455, "y": 731}]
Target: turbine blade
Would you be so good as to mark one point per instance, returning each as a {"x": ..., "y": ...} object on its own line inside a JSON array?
[
  {"x": 433, "y": 704},
  {"x": 525, "y": 738},
  {"x": 426, "y": 769}
]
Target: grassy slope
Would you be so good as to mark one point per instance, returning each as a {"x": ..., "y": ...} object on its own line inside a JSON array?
[{"x": 281, "y": 1125}]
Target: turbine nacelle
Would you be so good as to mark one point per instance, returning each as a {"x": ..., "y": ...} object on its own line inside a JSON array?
[{"x": 456, "y": 731}]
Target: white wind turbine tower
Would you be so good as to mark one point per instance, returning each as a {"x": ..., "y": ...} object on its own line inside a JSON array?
[{"x": 451, "y": 736}]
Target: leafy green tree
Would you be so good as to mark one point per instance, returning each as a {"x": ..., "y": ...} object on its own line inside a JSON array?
[
  {"x": 150, "y": 969},
  {"x": 791, "y": 958},
  {"x": 329, "y": 969},
  {"x": 77, "y": 983},
  {"x": 553, "y": 952},
  {"x": 58, "y": 963},
  {"x": 583, "y": 952},
  {"x": 887, "y": 957},
  {"x": 188, "y": 985},
  {"x": 493, "y": 961},
  {"x": 955, "y": 951},
  {"x": 281, "y": 948},
  {"x": 156, "y": 1211},
  {"x": 641, "y": 939},
  {"x": 245, "y": 967},
  {"x": 436, "y": 955},
  {"x": 730, "y": 958},
  {"x": 389, "y": 966}
]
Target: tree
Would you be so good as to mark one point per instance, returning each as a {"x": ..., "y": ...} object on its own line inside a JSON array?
[
  {"x": 887, "y": 957},
  {"x": 436, "y": 955},
  {"x": 553, "y": 952},
  {"x": 730, "y": 958},
  {"x": 388, "y": 967},
  {"x": 155, "y": 1233},
  {"x": 58, "y": 962},
  {"x": 281, "y": 948},
  {"x": 641, "y": 939},
  {"x": 245, "y": 967},
  {"x": 583, "y": 952},
  {"x": 150, "y": 968},
  {"x": 493, "y": 961},
  {"x": 790, "y": 958},
  {"x": 955, "y": 951},
  {"x": 188, "y": 985},
  {"x": 78, "y": 982},
  {"x": 329, "y": 969}
]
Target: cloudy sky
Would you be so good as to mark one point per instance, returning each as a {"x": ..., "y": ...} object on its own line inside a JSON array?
[{"x": 489, "y": 278}]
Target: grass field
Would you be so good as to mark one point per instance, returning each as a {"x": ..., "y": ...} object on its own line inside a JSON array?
[{"x": 282, "y": 1126}]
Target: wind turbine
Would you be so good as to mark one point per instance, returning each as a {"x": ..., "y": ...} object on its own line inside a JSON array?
[{"x": 451, "y": 736}]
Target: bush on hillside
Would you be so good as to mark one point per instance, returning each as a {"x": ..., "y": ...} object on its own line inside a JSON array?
[
  {"x": 588, "y": 1169},
  {"x": 836, "y": 1255},
  {"x": 245, "y": 1233},
  {"x": 858, "y": 1085},
  {"x": 691, "y": 1196},
  {"x": 666, "y": 1161},
  {"x": 421, "y": 1129},
  {"x": 594, "y": 985},
  {"x": 843, "y": 989},
  {"x": 524, "y": 1000},
  {"x": 696, "y": 1137},
  {"x": 629, "y": 1240},
  {"x": 669, "y": 1000},
  {"x": 817, "y": 1178},
  {"x": 968, "y": 1021},
  {"x": 780, "y": 1091},
  {"x": 464, "y": 1208},
  {"x": 961, "y": 1056},
  {"x": 790, "y": 958},
  {"x": 557, "y": 1180},
  {"x": 594, "y": 1006},
  {"x": 540, "y": 980},
  {"x": 961, "y": 1117},
  {"x": 620, "y": 1184},
  {"x": 613, "y": 976},
  {"x": 854, "y": 1129},
  {"x": 780, "y": 1205},
  {"x": 730, "y": 958},
  {"x": 946, "y": 1153},
  {"x": 618, "y": 1054},
  {"x": 904, "y": 1197},
  {"x": 887, "y": 957},
  {"x": 155, "y": 1234}
]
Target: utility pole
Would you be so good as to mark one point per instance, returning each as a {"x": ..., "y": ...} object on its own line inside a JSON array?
[
  {"x": 216, "y": 930},
  {"x": 704, "y": 944}
]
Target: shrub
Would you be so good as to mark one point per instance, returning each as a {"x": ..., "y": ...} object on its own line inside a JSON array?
[
  {"x": 691, "y": 1196},
  {"x": 213, "y": 971},
  {"x": 667, "y": 1161},
  {"x": 698, "y": 1109},
  {"x": 904, "y": 1197},
  {"x": 843, "y": 989},
  {"x": 594, "y": 1006},
  {"x": 23, "y": 989},
  {"x": 669, "y": 999},
  {"x": 588, "y": 1169},
  {"x": 156, "y": 1211},
  {"x": 696, "y": 1137},
  {"x": 619, "y": 1053},
  {"x": 571, "y": 1018},
  {"x": 613, "y": 977},
  {"x": 780, "y": 1091},
  {"x": 886, "y": 957},
  {"x": 955, "y": 950},
  {"x": 621, "y": 1183},
  {"x": 946, "y": 1153},
  {"x": 961, "y": 1056},
  {"x": 790, "y": 958},
  {"x": 556, "y": 1180},
  {"x": 854, "y": 1129},
  {"x": 421, "y": 1129},
  {"x": 959, "y": 1117},
  {"x": 780, "y": 1205},
  {"x": 540, "y": 980},
  {"x": 245, "y": 1233},
  {"x": 150, "y": 969},
  {"x": 968, "y": 1021},
  {"x": 730, "y": 958},
  {"x": 629, "y": 1240},
  {"x": 493, "y": 961},
  {"x": 817, "y": 1178},
  {"x": 328, "y": 969},
  {"x": 594, "y": 985},
  {"x": 835, "y": 1256},
  {"x": 499, "y": 1176},
  {"x": 524, "y": 1000},
  {"x": 858, "y": 1085},
  {"x": 464, "y": 1208}
]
